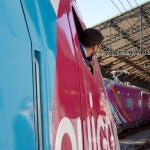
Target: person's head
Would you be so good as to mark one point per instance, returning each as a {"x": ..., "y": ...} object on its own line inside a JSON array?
[{"x": 91, "y": 39}]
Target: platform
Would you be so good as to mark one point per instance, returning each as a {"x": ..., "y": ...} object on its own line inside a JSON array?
[{"x": 137, "y": 141}]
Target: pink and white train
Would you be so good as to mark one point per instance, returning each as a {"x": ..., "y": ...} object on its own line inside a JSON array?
[
  {"x": 49, "y": 99},
  {"x": 129, "y": 105}
]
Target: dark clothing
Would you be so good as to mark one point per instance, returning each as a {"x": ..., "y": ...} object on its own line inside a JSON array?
[{"x": 87, "y": 59}]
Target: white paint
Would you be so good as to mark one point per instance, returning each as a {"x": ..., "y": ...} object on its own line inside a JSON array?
[
  {"x": 91, "y": 100},
  {"x": 109, "y": 136},
  {"x": 79, "y": 129},
  {"x": 89, "y": 133},
  {"x": 65, "y": 127},
  {"x": 100, "y": 124},
  {"x": 94, "y": 134},
  {"x": 98, "y": 136},
  {"x": 55, "y": 4},
  {"x": 103, "y": 97}
]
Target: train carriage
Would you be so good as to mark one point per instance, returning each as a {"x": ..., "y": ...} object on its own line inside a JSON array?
[
  {"x": 129, "y": 104},
  {"x": 48, "y": 97}
]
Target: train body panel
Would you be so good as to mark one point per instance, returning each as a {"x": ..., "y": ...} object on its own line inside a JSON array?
[
  {"x": 129, "y": 104},
  {"x": 49, "y": 98},
  {"x": 146, "y": 106},
  {"x": 16, "y": 88}
]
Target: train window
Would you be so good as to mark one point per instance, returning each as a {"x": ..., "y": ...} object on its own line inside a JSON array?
[
  {"x": 80, "y": 33},
  {"x": 78, "y": 25}
]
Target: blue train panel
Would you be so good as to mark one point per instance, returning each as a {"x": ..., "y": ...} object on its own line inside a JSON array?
[
  {"x": 17, "y": 98},
  {"x": 49, "y": 100}
]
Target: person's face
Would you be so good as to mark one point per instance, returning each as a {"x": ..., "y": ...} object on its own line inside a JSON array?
[{"x": 95, "y": 49}]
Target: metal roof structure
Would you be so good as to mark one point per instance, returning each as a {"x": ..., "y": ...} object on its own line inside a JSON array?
[{"x": 126, "y": 46}]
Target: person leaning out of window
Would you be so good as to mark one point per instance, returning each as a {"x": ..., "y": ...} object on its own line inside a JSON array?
[{"x": 90, "y": 43}]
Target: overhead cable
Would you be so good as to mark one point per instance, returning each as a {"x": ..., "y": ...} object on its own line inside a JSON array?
[
  {"x": 130, "y": 4},
  {"x": 122, "y": 5},
  {"x": 136, "y": 3},
  {"x": 130, "y": 24},
  {"x": 116, "y": 6}
]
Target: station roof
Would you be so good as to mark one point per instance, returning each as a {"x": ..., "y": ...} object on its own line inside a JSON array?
[{"x": 126, "y": 46}]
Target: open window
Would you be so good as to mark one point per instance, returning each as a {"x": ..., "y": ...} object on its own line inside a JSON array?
[
  {"x": 80, "y": 30},
  {"x": 77, "y": 24}
]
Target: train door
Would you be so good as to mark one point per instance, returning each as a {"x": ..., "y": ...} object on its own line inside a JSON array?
[
  {"x": 96, "y": 118},
  {"x": 18, "y": 105}
]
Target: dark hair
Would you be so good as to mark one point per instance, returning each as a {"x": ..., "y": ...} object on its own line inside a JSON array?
[{"x": 91, "y": 37}]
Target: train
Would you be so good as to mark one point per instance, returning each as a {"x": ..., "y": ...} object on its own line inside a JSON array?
[
  {"x": 130, "y": 105},
  {"x": 49, "y": 100}
]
